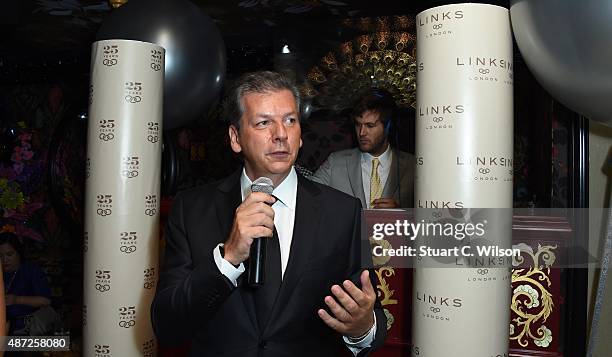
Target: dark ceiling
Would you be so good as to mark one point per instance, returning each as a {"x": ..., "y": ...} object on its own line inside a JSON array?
[
  {"x": 36, "y": 33},
  {"x": 35, "y": 25}
]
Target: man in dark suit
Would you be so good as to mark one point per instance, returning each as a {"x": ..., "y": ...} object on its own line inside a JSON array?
[
  {"x": 376, "y": 173},
  {"x": 316, "y": 299}
]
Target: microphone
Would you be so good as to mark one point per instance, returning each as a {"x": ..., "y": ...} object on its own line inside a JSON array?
[{"x": 257, "y": 256}]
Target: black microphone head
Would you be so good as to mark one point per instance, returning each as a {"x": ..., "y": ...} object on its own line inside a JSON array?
[{"x": 262, "y": 184}]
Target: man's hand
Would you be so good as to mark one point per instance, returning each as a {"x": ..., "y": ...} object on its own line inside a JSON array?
[
  {"x": 353, "y": 316},
  {"x": 254, "y": 218},
  {"x": 385, "y": 203}
]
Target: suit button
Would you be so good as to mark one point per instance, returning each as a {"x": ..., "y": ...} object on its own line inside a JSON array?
[{"x": 262, "y": 344}]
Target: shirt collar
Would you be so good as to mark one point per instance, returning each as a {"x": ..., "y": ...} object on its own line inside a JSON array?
[
  {"x": 383, "y": 159},
  {"x": 286, "y": 192}
]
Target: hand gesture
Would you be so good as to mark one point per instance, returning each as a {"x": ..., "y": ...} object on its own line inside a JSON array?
[{"x": 353, "y": 310}]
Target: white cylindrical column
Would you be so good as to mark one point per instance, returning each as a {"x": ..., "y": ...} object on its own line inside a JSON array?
[
  {"x": 122, "y": 197},
  {"x": 464, "y": 149}
]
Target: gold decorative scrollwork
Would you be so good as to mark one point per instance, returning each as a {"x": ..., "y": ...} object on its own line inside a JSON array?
[
  {"x": 379, "y": 261},
  {"x": 385, "y": 293},
  {"x": 390, "y": 319},
  {"x": 532, "y": 302},
  {"x": 383, "y": 286}
]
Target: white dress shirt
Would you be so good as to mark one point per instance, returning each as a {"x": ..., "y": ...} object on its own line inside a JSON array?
[
  {"x": 384, "y": 168},
  {"x": 284, "y": 211},
  {"x": 284, "y": 219}
]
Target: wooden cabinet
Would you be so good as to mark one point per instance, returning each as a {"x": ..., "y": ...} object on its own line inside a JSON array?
[{"x": 537, "y": 289}]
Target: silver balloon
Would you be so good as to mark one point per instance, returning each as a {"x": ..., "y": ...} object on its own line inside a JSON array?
[
  {"x": 195, "y": 52},
  {"x": 567, "y": 45}
]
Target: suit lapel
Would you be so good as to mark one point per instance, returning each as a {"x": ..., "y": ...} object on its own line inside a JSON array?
[
  {"x": 353, "y": 165},
  {"x": 399, "y": 168},
  {"x": 228, "y": 200},
  {"x": 307, "y": 216}
]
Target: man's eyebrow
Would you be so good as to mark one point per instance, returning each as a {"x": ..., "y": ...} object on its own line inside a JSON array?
[
  {"x": 367, "y": 122},
  {"x": 270, "y": 116}
]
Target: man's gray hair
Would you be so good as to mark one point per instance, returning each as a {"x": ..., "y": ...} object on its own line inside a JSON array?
[{"x": 256, "y": 82}]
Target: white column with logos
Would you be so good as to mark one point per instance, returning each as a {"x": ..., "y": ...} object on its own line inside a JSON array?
[
  {"x": 464, "y": 149},
  {"x": 122, "y": 198}
]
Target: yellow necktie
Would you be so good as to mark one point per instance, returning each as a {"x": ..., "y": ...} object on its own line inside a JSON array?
[{"x": 375, "y": 186}]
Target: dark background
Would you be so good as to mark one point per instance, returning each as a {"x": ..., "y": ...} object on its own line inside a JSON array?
[{"x": 44, "y": 78}]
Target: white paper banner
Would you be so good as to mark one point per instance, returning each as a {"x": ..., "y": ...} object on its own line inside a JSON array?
[
  {"x": 464, "y": 146},
  {"x": 122, "y": 198}
]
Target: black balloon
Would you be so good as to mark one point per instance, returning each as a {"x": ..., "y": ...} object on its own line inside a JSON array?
[{"x": 195, "y": 52}]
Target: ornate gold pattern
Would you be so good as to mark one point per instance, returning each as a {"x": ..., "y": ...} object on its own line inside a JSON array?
[
  {"x": 401, "y": 40},
  {"x": 532, "y": 302},
  {"x": 389, "y": 56},
  {"x": 364, "y": 42},
  {"x": 383, "y": 289},
  {"x": 364, "y": 23},
  {"x": 383, "y": 286},
  {"x": 380, "y": 24},
  {"x": 374, "y": 56},
  {"x": 403, "y": 22},
  {"x": 382, "y": 38},
  {"x": 316, "y": 75},
  {"x": 390, "y": 318},
  {"x": 307, "y": 90},
  {"x": 379, "y": 261},
  {"x": 117, "y": 3},
  {"x": 382, "y": 59},
  {"x": 360, "y": 60},
  {"x": 329, "y": 62},
  {"x": 347, "y": 68},
  {"x": 346, "y": 50}
]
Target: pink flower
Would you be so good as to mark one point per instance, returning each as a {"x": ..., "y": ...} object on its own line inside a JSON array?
[
  {"x": 18, "y": 167},
  {"x": 16, "y": 157},
  {"x": 7, "y": 172},
  {"x": 32, "y": 207},
  {"x": 28, "y": 232},
  {"x": 27, "y": 155}
]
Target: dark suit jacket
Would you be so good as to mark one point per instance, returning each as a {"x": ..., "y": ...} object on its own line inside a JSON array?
[{"x": 194, "y": 301}]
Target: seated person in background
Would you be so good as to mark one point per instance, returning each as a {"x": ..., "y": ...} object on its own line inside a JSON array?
[
  {"x": 379, "y": 175},
  {"x": 25, "y": 284}
]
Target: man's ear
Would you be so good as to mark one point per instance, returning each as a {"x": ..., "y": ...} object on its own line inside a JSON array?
[
  {"x": 234, "y": 139},
  {"x": 300, "y": 142}
]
